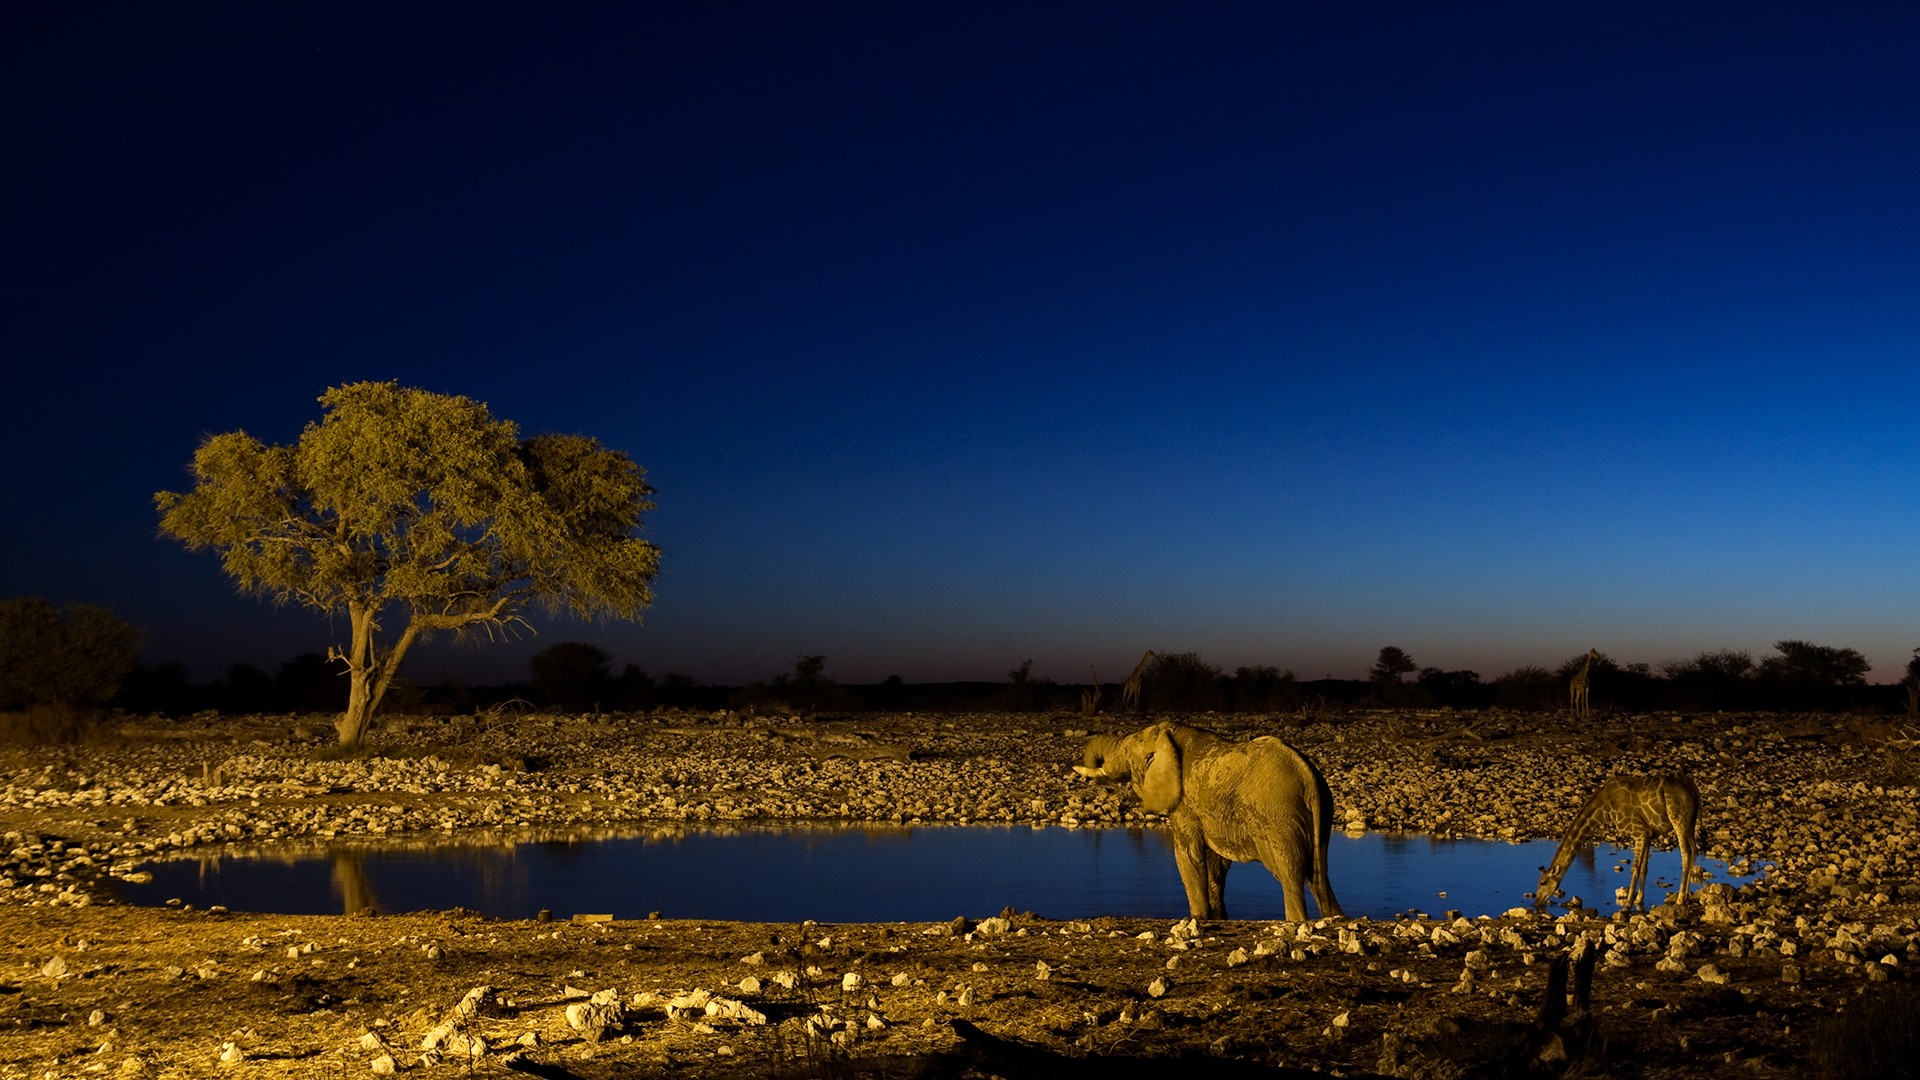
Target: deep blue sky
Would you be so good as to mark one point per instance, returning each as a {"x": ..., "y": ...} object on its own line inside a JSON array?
[{"x": 954, "y": 335}]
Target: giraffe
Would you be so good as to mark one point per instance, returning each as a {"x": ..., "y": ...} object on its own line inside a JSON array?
[
  {"x": 1130, "y": 691},
  {"x": 1637, "y": 808},
  {"x": 1578, "y": 685}
]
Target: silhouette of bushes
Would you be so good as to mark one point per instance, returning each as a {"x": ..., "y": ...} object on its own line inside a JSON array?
[
  {"x": 1264, "y": 689},
  {"x": 1024, "y": 693},
  {"x": 1181, "y": 682},
  {"x": 1529, "y": 688},
  {"x": 571, "y": 675}
]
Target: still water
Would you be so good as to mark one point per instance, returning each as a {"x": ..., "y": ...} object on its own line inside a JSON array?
[{"x": 886, "y": 874}]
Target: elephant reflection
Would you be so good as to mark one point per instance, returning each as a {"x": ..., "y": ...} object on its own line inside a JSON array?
[{"x": 1256, "y": 801}]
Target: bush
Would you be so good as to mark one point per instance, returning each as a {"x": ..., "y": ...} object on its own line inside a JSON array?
[
  {"x": 72, "y": 657},
  {"x": 1265, "y": 689},
  {"x": 1024, "y": 693},
  {"x": 571, "y": 675},
  {"x": 1182, "y": 682},
  {"x": 1530, "y": 688}
]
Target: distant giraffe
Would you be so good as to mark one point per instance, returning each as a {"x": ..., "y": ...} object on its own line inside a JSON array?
[
  {"x": 1636, "y": 808},
  {"x": 1577, "y": 686},
  {"x": 1130, "y": 691}
]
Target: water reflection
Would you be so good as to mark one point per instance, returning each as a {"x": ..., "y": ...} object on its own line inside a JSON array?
[{"x": 841, "y": 874}]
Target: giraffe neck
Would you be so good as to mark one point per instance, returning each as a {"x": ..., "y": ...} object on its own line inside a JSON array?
[{"x": 1577, "y": 833}]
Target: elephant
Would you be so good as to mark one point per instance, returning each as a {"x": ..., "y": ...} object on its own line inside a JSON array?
[{"x": 1226, "y": 801}]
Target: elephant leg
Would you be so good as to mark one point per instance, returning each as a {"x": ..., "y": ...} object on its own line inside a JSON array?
[
  {"x": 1291, "y": 873},
  {"x": 1191, "y": 855},
  {"x": 1217, "y": 866}
]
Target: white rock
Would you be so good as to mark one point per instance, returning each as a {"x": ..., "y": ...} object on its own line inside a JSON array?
[{"x": 1157, "y": 988}]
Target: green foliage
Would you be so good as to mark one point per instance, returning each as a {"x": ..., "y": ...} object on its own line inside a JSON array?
[
  {"x": 403, "y": 501},
  {"x": 1182, "y": 682},
  {"x": 68, "y": 657},
  {"x": 571, "y": 675}
]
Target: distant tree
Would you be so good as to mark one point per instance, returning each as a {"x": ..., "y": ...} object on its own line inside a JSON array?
[
  {"x": 1023, "y": 692},
  {"x": 571, "y": 675},
  {"x": 634, "y": 690},
  {"x": 1455, "y": 689},
  {"x": 1182, "y": 682},
  {"x": 162, "y": 688},
  {"x": 1392, "y": 664},
  {"x": 678, "y": 691},
  {"x": 309, "y": 683},
  {"x": 1805, "y": 675},
  {"x": 68, "y": 658},
  {"x": 1530, "y": 688},
  {"x": 1386, "y": 673},
  {"x": 421, "y": 504},
  {"x": 806, "y": 690},
  {"x": 1721, "y": 680},
  {"x": 1262, "y": 688},
  {"x": 1912, "y": 684},
  {"x": 249, "y": 690}
]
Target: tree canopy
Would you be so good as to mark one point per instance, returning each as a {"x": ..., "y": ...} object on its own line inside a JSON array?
[{"x": 403, "y": 501}]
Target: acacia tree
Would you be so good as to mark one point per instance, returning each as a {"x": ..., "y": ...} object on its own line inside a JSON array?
[{"x": 400, "y": 502}]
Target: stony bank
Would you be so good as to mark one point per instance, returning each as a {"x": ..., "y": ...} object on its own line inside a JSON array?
[{"x": 1804, "y": 972}]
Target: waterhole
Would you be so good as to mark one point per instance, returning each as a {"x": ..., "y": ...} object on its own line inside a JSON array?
[{"x": 868, "y": 874}]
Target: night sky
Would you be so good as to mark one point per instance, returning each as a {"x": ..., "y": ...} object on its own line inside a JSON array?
[{"x": 954, "y": 335}]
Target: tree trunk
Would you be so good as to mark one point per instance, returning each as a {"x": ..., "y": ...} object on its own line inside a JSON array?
[
  {"x": 368, "y": 675},
  {"x": 352, "y": 725}
]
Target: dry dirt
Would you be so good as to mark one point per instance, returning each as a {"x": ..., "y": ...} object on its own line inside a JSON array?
[{"x": 1804, "y": 971}]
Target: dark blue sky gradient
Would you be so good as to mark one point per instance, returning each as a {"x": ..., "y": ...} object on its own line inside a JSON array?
[{"x": 955, "y": 335}]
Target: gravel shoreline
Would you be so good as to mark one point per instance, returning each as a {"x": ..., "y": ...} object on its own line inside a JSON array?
[{"x": 1828, "y": 803}]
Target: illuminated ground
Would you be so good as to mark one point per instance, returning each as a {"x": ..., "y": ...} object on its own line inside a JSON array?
[{"x": 1745, "y": 984}]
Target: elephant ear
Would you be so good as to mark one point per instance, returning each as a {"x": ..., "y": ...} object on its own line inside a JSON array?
[{"x": 1158, "y": 782}]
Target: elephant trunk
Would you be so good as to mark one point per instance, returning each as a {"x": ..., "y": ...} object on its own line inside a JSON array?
[{"x": 1099, "y": 748}]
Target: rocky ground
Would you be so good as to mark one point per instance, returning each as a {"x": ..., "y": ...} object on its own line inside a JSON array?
[{"x": 1803, "y": 973}]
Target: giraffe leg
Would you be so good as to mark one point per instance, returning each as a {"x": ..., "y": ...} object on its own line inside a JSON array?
[
  {"x": 1688, "y": 841},
  {"x": 1637, "y": 892}
]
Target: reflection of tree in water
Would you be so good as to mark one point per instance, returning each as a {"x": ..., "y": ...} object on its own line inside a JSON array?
[{"x": 350, "y": 882}]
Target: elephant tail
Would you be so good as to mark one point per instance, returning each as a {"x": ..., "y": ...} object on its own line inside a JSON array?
[{"x": 1322, "y": 834}]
